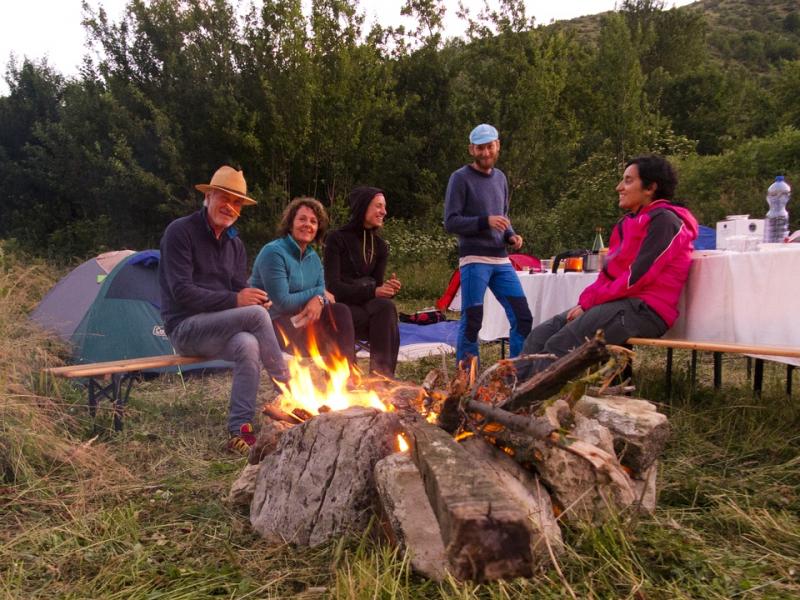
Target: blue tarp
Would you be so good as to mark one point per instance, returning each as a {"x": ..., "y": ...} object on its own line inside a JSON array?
[{"x": 445, "y": 332}]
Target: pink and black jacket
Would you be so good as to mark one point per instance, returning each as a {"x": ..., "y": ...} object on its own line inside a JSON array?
[{"x": 649, "y": 256}]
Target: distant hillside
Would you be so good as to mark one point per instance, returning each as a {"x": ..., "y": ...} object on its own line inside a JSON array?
[{"x": 753, "y": 33}]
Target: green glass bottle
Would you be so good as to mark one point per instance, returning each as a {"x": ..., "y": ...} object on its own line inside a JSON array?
[{"x": 598, "y": 245}]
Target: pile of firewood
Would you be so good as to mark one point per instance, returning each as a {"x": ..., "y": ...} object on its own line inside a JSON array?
[{"x": 493, "y": 465}]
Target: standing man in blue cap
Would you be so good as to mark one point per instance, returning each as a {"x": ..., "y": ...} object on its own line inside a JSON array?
[{"x": 476, "y": 209}]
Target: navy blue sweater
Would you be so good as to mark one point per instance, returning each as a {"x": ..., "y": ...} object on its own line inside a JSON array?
[
  {"x": 471, "y": 198},
  {"x": 199, "y": 273}
]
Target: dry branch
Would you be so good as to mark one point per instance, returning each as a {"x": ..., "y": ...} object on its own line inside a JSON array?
[{"x": 550, "y": 381}]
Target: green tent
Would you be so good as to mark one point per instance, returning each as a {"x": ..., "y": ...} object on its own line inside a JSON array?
[{"x": 124, "y": 321}]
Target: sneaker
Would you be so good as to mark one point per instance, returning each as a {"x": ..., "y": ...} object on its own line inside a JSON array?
[{"x": 240, "y": 443}]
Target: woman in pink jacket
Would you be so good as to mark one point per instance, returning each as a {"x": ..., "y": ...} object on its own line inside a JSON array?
[{"x": 636, "y": 293}]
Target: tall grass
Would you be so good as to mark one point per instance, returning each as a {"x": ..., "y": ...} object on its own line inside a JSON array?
[{"x": 141, "y": 514}]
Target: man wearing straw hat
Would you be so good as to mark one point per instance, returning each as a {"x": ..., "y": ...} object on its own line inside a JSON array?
[{"x": 207, "y": 307}]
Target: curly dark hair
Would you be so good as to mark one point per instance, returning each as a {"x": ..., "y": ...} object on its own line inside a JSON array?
[
  {"x": 656, "y": 169},
  {"x": 290, "y": 212}
]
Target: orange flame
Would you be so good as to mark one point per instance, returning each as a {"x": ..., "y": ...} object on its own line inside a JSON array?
[
  {"x": 305, "y": 391},
  {"x": 402, "y": 444}
]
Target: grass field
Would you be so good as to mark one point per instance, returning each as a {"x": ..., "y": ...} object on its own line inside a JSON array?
[{"x": 141, "y": 514}]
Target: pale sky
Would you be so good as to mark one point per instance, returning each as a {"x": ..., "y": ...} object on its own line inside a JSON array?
[{"x": 52, "y": 28}]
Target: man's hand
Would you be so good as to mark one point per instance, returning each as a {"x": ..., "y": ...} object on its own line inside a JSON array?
[
  {"x": 253, "y": 297},
  {"x": 389, "y": 289},
  {"x": 574, "y": 313},
  {"x": 499, "y": 222},
  {"x": 515, "y": 241}
]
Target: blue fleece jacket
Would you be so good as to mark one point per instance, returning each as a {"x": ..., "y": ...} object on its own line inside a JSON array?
[
  {"x": 290, "y": 278},
  {"x": 471, "y": 198}
]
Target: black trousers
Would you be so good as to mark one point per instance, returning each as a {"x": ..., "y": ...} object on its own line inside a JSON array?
[
  {"x": 376, "y": 322},
  {"x": 333, "y": 333}
]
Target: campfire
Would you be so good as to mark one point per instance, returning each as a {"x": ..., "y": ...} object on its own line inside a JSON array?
[{"x": 493, "y": 465}]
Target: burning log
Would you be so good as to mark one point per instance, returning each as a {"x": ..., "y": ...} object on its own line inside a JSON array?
[
  {"x": 486, "y": 535},
  {"x": 536, "y": 439},
  {"x": 523, "y": 487}
]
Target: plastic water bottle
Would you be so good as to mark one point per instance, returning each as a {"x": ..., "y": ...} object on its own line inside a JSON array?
[{"x": 776, "y": 227}]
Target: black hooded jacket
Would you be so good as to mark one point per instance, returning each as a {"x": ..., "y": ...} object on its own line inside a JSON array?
[{"x": 355, "y": 258}]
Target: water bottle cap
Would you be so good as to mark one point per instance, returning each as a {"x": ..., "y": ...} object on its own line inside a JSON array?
[{"x": 779, "y": 178}]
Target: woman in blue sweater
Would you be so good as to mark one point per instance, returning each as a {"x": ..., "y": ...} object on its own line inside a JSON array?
[{"x": 290, "y": 271}]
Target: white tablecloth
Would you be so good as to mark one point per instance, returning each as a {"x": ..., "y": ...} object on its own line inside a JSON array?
[
  {"x": 547, "y": 293},
  {"x": 743, "y": 298},
  {"x": 730, "y": 297}
]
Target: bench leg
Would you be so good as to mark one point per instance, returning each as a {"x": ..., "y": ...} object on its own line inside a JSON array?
[
  {"x": 122, "y": 390},
  {"x": 717, "y": 370},
  {"x": 789, "y": 373},
  {"x": 758, "y": 377},
  {"x": 94, "y": 389},
  {"x": 693, "y": 373},
  {"x": 117, "y": 392},
  {"x": 669, "y": 374}
]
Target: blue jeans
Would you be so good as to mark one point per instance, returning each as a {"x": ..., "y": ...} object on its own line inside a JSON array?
[
  {"x": 504, "y": 283},
  {"x": 243, "y": 336}
]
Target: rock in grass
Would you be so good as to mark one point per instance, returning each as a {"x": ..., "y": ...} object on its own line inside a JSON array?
[{"x": 241, "y": 493}]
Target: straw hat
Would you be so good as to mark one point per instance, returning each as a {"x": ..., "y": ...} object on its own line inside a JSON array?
[{"x": 228, "y": 180}]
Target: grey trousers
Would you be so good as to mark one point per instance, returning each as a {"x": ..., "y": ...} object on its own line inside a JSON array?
[
  {"x": 619, "y": 320},
  {"x": 243, "y": 336}
]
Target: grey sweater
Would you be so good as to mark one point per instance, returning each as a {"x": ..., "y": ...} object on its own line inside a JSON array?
[{"x": 471, "y": 198}]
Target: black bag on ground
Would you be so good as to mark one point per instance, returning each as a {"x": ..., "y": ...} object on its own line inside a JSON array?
[{"x": 426, "y": 316}]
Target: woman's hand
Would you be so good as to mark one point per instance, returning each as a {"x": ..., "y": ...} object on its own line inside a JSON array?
[
  {"x": 574, "y": 313},
  {"x": 330, "y": 297},
  {"x": 313, "y": 309},
  {"x": 389, "y": 289}
]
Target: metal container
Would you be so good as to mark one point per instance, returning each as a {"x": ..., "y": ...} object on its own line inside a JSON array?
[{"x": 592, "y": 262}]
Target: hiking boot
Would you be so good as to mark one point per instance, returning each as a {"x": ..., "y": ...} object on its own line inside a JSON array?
[{"x": 240, "y": 443}]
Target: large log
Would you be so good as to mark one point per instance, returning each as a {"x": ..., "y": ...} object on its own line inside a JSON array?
[
  {"x": 318, "y": 483},
  {"x": 552, "y": 379},
  {"x": 522, "y": 487},
  {"x": 486, "y": 535}
]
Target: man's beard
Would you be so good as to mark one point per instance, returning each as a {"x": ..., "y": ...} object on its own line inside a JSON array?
[{"x": 486, "y": 163}]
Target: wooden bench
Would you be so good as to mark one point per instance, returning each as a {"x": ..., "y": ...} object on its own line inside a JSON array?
[
  {"x": 719, "y": 349},
  {"x": 122, "y": 374}
]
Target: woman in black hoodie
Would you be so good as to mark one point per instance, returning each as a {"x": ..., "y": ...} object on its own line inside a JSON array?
[{"x": 355, "y": 266}]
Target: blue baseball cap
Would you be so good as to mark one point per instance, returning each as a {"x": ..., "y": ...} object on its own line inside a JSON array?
[{"x": 483, "y": 134}]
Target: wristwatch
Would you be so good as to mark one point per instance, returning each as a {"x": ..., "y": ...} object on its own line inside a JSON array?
[{"x": 322, "y": 301}]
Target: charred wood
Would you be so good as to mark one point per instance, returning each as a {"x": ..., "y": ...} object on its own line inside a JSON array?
[{"x": 486, "y": 535}]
